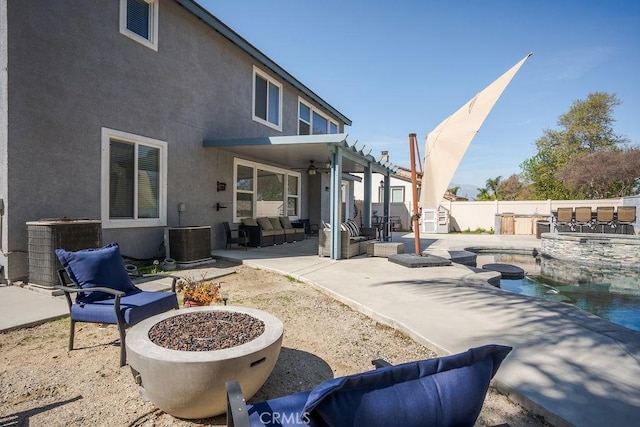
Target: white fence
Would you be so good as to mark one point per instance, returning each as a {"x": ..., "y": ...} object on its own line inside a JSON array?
[{"x": 474, "y": 215}]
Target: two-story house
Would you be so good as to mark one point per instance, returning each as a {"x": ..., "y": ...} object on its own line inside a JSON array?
[{"x": 148, "y": 114}]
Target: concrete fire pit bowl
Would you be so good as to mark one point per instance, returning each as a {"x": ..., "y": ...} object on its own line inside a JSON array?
[{"x": 191, "y": 384}]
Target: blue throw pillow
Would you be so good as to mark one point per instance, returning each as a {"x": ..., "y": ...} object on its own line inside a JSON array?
[
  {"x": 96, "y": 267},
  {"x": 446, "y": 391}
]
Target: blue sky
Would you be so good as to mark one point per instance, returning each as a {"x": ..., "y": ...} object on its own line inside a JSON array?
[{"x": 400, "y": 67}]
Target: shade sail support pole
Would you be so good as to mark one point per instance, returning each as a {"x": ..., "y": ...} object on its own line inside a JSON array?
[{"x": 413, "y": 146}]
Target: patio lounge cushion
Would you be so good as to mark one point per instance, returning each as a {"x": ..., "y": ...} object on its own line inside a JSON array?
[
  {"x": 286, "y": 222},
  {"x": 250, "y": 222},
  {"x": 96, "y": 267},
  {"x": 275, "y": 223},
  {"x": 282, "y": 412},
  {"x": 264, "y": 223},
  {"x": 351, "y": 227},
  {"x": 135, "y": 306},
  {"x": 435, "y": 392}
]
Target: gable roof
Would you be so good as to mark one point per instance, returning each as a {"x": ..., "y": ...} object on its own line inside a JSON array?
[{"x": 206, "y": 17}]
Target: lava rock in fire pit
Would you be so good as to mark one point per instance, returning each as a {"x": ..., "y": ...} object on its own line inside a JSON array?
[{"x": 205, "y": 331}]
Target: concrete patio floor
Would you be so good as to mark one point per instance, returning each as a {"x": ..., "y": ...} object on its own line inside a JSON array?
[{"x": 567, "y": 365}]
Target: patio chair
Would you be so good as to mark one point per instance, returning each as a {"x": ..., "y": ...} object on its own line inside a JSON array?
[
  {"x": 626, "y": 217},
  {"x": 583, "y": 217},
  {"x": 435, "y": 392},
  {"x": 564, "y": 219},
  {"x": 105, "y": 294},
  {"x": 242, "y": 237},
  {"x": 604, "y": 217}
]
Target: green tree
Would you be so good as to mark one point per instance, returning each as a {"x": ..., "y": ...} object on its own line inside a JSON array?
[
  {"x": 513, "y": 188},
  {"x": 603, "y": 174},
  {"x": 587, "y": 127},
  {"x": 490, "y": 190},
  {"x": 484, "y": 195},
  {"x": 454, "y": 190}
]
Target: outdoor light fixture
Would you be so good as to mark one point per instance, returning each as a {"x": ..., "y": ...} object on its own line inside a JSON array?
[{"x": 312, "y": 169}]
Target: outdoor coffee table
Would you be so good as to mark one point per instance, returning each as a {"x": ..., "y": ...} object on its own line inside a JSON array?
[{"x": 384, "y": 249}]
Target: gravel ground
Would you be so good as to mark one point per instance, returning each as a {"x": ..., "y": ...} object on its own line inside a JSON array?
[{"x": 43, "y": 384}]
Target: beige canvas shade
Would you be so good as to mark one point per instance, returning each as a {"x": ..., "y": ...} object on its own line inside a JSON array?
[{"x": 447, "y": 143}]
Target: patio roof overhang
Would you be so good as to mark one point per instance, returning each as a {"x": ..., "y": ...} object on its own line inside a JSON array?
[{"x": 295, "y": 152}]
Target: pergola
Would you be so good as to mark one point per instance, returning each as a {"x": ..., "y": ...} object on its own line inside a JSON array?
[{"x": 296, "y": 152}]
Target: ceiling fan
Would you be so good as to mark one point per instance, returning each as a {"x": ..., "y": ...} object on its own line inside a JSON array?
[{"x": 313, "y": 169}]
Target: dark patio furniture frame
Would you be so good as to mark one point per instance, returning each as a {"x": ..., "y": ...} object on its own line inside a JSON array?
[{"x": 117, "y": 295}]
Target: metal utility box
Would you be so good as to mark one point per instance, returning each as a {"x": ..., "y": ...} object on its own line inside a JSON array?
[
  {"x": 45, "y": 236},
  {"x": 189, "y": 244}
]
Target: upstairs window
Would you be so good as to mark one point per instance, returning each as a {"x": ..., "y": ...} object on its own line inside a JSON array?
[
  {"x": 267, "y": 100},
  {"x": 139, "y": 21},
  {"x": 313, "y": 122},
  {"x": 304, "y": 119}
]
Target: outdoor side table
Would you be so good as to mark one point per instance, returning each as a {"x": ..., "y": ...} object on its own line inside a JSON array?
[{"x": 384, "y": 249}]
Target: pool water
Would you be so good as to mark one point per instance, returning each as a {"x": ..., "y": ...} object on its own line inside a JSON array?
[{"x": 613, "y": 295}]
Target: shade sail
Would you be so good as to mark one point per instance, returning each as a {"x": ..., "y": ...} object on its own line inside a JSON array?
[{"x": 447, "y": 143}]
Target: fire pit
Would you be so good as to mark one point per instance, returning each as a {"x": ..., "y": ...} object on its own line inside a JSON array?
[{"x": 183, "y": 358}]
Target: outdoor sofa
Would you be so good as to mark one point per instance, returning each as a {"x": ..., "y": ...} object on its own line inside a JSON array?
[
  {"x": 271, "y": 231},
  {"x": 353, "y": 239}
]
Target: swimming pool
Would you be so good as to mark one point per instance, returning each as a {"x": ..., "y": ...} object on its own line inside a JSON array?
[{"x": 612, "y": 294}]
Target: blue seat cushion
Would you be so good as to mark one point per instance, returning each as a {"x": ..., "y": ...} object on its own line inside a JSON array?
[
  {"x": 96, "y": 267},
  {"x": 281, "y": 412},
  {"x": 447, "y": 391},
  {"x": 135, "y": 306}
]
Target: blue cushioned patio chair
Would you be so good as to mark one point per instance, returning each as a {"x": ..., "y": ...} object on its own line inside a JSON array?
[
  {"x": 447, "y": 391},
  {"x": 104, "y": 293}
]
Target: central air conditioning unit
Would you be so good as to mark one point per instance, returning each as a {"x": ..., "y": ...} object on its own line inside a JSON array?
[
  {"x": 188, "y": 244},
  {"x": 47, "y": 235}
]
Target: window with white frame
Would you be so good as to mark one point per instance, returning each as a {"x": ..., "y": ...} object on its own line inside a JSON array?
[
  {"x": 139, "y": 21},
  {"x": 396, "y": 193},
  {"x": 134, "y": 180},
  {"x": 264, "y": 191},
  {"x": 312, "y": 122},
  {"x": 267, "y": 100}
]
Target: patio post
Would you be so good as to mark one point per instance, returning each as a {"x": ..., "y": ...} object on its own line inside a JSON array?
[
  {"x": 336, "y": 193},
  {"x": 366, "y": 207},
  {"x": 387, "y": 201}
]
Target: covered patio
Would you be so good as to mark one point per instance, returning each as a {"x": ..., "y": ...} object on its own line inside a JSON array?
[{"x": 332, "y": 154}]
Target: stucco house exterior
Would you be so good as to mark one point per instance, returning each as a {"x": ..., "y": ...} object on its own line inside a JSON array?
[{"x": 105, "y": 107}]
